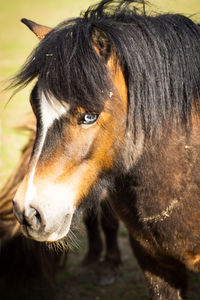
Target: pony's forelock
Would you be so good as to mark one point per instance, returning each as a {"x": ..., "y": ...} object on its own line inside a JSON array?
[{"x": 159, "y": 57}]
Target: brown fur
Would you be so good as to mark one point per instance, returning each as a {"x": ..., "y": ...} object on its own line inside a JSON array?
[{"x": 163, "y": 221}]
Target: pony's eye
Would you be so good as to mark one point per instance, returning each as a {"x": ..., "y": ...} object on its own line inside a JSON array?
[{"x": 89, "y": 118}]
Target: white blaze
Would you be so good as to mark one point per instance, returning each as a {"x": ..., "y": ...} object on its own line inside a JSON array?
[{"x": 50, "y": 109}]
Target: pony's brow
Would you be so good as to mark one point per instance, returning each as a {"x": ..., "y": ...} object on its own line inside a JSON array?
[{"x": 51, "y": 109}]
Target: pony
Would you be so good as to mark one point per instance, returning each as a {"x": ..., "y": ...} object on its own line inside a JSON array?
[
  {"x": 117, "y": 105},
  {"x": 16, "y": 249}
]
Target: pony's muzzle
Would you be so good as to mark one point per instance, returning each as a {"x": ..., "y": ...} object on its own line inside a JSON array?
[
  {"x": 42, "y": 225},
  {"x": 44, "y": 210}
]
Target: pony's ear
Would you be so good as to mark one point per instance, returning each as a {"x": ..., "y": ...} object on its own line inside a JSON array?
[
  {"x": 101, "y": 43},
  {"x": 103, "y": 47},
  {"x": 39, "y": 30}
]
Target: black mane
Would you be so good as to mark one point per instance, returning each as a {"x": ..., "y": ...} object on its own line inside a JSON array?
[{"x": 159, "y": 55}]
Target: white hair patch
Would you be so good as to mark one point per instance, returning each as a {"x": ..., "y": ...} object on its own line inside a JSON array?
[{"x": 51, "y": 109}]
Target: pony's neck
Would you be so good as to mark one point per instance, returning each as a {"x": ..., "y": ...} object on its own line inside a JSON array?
[{"x": 170, "y": 139}]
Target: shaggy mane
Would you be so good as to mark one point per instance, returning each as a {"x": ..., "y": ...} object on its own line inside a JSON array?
[{"x": 159, "y": 56}]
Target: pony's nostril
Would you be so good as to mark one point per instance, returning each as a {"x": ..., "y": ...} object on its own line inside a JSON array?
[{"x": 32, "y": 218}]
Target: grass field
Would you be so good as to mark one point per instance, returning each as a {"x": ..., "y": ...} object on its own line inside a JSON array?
[
  {"x": 72, "y": 284},
  {"x": 16, "y": 42}
]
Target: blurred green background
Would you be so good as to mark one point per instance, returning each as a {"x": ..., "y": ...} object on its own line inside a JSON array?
[{"x": 16, "y": 43}]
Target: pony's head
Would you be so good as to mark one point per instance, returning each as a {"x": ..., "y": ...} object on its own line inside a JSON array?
[
  {"x": 108, "y": 83},
  {"x": 80, "y": 103}
]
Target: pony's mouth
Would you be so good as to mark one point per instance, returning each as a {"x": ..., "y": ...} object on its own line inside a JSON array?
[{"x": 57, "y": 232}]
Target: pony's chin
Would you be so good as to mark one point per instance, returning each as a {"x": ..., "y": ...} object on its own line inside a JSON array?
[
  {"x": 46, "y": 236},
  {"x": 56, "y": 236}
]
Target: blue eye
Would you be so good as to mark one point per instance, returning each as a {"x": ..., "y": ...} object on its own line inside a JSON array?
[{"x": 89, "y": 118}]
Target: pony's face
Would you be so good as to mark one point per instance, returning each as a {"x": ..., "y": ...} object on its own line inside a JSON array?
[{"x": 73, "y": 149}]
